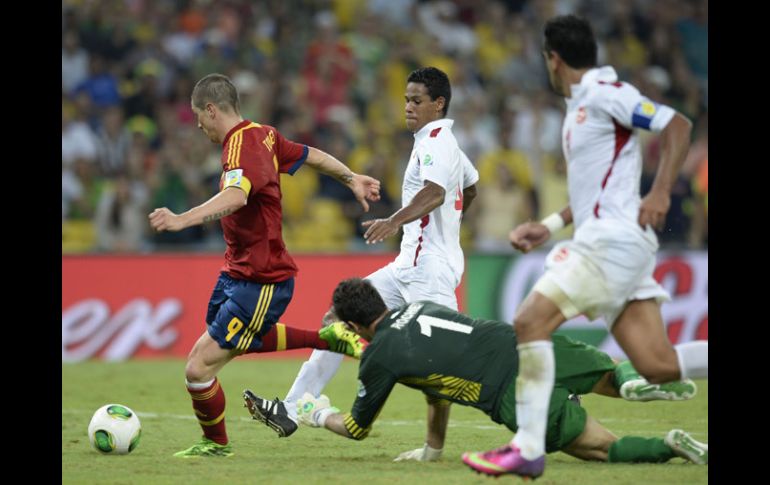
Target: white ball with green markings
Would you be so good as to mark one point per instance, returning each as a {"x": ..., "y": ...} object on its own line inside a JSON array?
[{"x": 114, "y": 429}]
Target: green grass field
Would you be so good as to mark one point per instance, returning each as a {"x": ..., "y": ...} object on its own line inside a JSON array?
[{"x": 155, "y": 390}]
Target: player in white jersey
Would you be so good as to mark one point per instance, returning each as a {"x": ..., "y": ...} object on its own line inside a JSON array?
[
  {"x": 606, "y": 269},
  {"x": 438, "y": 187}
]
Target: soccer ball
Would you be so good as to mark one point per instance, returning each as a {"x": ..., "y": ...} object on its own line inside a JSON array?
[{"x": 114, "y": 429}]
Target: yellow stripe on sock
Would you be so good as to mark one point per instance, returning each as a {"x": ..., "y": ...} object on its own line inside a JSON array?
[
  {"x": 213, "y": 421},
  {"x": 206, "y": 395},
  {"x": 280, "y": 328}
]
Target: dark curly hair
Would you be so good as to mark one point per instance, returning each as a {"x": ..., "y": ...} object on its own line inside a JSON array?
[
  {"x": 356, "y": 300},
  {"x": 573, "y": 38},
  {"x": 436, "y": 81}
]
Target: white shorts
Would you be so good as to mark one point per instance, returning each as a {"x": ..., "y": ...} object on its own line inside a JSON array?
[
  {"x": 431, "y": 280},
  {"x": 597, "y": 273}
]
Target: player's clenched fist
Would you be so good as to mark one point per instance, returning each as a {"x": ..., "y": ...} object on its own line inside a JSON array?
[
  {"x": 164, "y": 220},
  {"x": 528, "y": 236}
]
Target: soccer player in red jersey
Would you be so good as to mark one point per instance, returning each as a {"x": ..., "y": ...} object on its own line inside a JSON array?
[{"x": 257, "y": 280}]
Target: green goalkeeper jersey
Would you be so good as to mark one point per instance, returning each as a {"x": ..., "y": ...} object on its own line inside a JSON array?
[{"x": 443, "y": 353}]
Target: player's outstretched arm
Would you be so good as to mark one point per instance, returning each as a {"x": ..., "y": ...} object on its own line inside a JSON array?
[
  {"x": 428, "y": 198},
  {"x": 319, "y": 413},
  {"x": 363, "y": 187},
  {"x": 335, "y": 422},
  {"x": 224, "y": 203}
]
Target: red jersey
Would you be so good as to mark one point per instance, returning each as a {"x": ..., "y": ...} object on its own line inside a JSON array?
[{"x": 253, "y": 156}]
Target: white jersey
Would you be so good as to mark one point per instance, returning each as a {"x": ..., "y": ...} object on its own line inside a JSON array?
[
  {"x": 436, "y": 157},
  {"x": 601, "y": 146}
]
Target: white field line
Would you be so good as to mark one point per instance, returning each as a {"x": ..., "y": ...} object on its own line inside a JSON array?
[{"x": 416, "y": 422}]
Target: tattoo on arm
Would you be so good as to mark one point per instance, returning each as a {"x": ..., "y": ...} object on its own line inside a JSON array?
[
  {"x": 346, "y": 178},
  {"x": 218, "y": 215}
]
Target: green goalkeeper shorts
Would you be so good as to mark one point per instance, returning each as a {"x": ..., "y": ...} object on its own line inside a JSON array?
[{"x": 578, "y": 368}]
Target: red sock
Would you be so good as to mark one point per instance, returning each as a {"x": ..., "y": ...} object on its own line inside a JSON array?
[
  {"x": 281, "y": 337},
  {"x": 209, "y": 406}
]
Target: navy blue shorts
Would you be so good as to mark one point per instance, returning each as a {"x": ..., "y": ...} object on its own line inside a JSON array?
[{"x": 240, "y": 312}]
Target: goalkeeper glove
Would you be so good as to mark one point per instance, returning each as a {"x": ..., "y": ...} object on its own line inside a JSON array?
[
  {"x": 426, "y": 453},
  {"x": 313, "y": 411}
]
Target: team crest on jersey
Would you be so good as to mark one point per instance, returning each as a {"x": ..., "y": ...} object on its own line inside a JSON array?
[
  {"x": 361, "y": 389},
  {"x": 427, "y": 160},
  {"x": 233, "y": 178},
  {"x": 581, "y": 115}
]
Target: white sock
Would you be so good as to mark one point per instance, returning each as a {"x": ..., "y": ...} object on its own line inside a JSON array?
[
  {"x": 693, "y": 359},
  {"x": 196, "y": 386},
  {"x": 312, "y": 377},
  {"x": 533, "y": 394}
]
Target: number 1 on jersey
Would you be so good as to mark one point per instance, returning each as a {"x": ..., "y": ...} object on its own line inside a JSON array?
[{"x": 426, "y": 322}]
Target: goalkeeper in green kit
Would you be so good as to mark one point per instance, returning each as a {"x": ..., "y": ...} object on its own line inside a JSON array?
[{"x": 451, "y": 357}]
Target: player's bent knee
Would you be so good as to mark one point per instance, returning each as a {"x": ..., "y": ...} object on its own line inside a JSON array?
[
  {"x": 525, "y": 330},
  {"x": 528, "y": 328},
  {"x": 196, "y": 372},
  {"x": 522, "y": 324}
]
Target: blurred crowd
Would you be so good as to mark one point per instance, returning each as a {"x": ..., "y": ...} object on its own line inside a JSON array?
[{"x": 332, "y": 74}]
